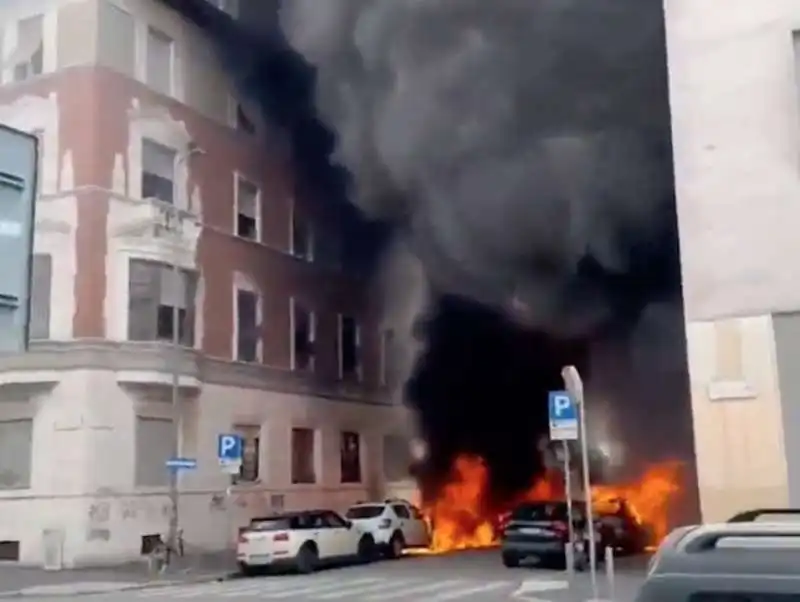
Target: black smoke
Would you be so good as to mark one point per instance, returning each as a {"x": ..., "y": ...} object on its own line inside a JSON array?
[{"x": 521, "y": 147}]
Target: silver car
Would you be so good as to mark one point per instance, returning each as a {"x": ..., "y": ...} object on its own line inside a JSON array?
[{"x": 729, "y": 562}]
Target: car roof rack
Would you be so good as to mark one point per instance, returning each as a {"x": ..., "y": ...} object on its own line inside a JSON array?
[{"x": 750, "y": 516}]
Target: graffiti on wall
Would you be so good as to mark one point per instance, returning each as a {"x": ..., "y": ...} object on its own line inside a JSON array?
[{"x": 98, "y": 515}]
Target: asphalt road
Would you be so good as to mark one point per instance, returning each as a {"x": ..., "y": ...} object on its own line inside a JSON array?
[{"x": 465, "y": 577}]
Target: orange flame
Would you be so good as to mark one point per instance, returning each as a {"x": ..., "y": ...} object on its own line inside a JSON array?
[{"x": 462, "y": 517}]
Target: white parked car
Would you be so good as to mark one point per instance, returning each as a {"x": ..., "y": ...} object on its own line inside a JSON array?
[
  {"x": 302, "y": 540},
  {"x": 394, "y": 525}
]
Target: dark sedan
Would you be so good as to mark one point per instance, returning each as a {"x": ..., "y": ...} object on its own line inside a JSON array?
[{"x": 541, "y": 530}]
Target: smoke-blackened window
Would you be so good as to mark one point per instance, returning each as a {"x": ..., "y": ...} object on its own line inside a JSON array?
[
  {"x": 302, "y": 238},
  {"x": 349, "y": 348},
  {"x": 247, "y": 326},
  {"x": 304, "y": 326}
]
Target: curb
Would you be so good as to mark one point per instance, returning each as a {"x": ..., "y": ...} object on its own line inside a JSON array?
[{"x": 207, "y": 578}]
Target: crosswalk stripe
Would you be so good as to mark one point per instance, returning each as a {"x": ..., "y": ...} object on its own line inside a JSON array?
[
  {"x": 262, "y": 586},
  {"x": 314, "y": 589},
  {"x": 363, "y": 589},
  {"x": 470, "y": 591},
  {"x": 419, "y": 589}
]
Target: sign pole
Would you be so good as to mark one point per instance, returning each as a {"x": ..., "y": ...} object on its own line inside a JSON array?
[
  {"x": 568, "y": 486},
  {"x": 574, "y": 384}
]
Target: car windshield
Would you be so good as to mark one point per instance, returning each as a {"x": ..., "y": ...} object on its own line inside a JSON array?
[
  {"x": 540, "y": 512},
  {"x": 357, "y": 512}
]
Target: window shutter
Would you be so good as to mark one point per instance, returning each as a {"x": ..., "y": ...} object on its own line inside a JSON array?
[
  {"x": 144, "y": 293},
  {"x": 191, "y": 281},
  {"x": 41, "y": 292}
]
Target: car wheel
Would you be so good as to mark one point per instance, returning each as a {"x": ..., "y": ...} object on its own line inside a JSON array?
[
  {"x": 510, "y": 560},
  {"x": 396, "y": 545},
  {"x": 307, "y": 559},
  {"x": 366, "y": 549}
]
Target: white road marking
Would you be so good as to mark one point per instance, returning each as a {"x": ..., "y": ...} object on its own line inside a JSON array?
[
  {"x": 363, "y": 589},
  {"x": 263, "y": 586},
  {"x": 419, "y": 589},
  {"x": 471, "y": 591},
  {"x": 313, "y": 589},
  {"x": 535, "y": 586}
]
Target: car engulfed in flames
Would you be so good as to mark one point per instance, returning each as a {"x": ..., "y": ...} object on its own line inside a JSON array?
[{"x": 461, "y": 516}]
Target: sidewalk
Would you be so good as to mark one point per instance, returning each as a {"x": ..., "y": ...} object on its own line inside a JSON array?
[{"x": 20, "y": 581}]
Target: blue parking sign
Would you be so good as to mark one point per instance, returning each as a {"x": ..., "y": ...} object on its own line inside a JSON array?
[
  {"x": 230, "y": 448},
  {"x": 563, "y": 414}
]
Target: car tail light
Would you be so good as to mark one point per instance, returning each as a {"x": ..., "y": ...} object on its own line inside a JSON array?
[
  {"x": 243, "y": 537},
  {"x": 385, "y": 523},
  {"x": 280, "y": 537},
  {"x": 561, "y": 528}
]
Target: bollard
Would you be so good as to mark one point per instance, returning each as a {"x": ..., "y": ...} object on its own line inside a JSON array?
[
  {"x": 612, "y": 594},
  {"x": 569, "y": 559}
]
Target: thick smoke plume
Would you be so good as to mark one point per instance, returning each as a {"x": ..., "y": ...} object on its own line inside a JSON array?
[{"x": 521, "y": 150}]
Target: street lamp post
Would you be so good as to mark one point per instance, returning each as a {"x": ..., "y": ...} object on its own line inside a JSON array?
[
  {"x": 175, "y": 225},
  {"x": 574, "y": 385}
]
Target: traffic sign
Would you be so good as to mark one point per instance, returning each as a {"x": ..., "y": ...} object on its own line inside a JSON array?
[
  {"x": 182, "y": 463},
  {"x": 230, "y": 449},
  {"x": 563, "y": 412}
]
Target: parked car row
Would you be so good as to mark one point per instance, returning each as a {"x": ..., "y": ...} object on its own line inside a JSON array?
[{"x": 309, "y": 539}]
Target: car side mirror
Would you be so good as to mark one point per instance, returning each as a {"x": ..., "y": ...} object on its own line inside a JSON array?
[{"x": 349, "y": 524}]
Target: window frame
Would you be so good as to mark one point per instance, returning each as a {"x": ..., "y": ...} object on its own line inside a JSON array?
[
  {"x": 156, "y": 33},
  {"x": 359, "y": 367},
  {"x": 160, "y": 147},
  {"x": 249, "y": 433},
  {"x": 33, "y": 64},
  {"x": 315, "y": 476},
  {"x": 238, "y": 180},
  {"x": 258, "y": 318},
  {"x": 294, "y": 305},
  {"x": 186, "y": 315}
]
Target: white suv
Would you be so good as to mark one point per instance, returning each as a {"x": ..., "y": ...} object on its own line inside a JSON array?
[
  {"x": 302, "y": 540},
  {"x": 394, "y": 525}
]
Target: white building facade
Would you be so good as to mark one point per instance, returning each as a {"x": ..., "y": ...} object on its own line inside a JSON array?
[
  {"x": 736, "y": 135},
  {"x": 154, "y": 200}
]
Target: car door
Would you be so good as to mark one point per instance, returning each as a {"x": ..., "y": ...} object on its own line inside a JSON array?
[
  {"x": 405, "y": 524},
  {"x": 343, "y": 535},
  {"x": 323, "y": 535},
  {"x": 418, "y": 527}
]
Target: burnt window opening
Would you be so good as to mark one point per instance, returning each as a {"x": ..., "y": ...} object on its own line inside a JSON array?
[
  {"x": 349, "y": 348},
  {"x": 304, "y": 326}
]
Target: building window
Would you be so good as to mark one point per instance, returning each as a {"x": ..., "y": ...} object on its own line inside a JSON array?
[
  {"x": 396, "y": 458},
  {"x": 237, "y": 116},
  {"x": 158, "y": 171},
  {"x": 28, "y": 58},
  {"x": 155, "y": 443},
  {"x": 302, "y": 238},
  {"x": 247, "y": 202},
  {"x": 15, "y": 454},
  {"x": 41, "y": 297},
  {"x": 304, "y": 334},
  {"x": 160, "y": 65},
  {"x": 247, "y": 326},
  {"x": 389, "y": 358},
  {"x": 251, "y": 437},
  {"x": 350, "y": 457},
  {"x": 304, "y": 443},
  {"x": 155, "y": 291},
  {"x": 349, "y": 348}
]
